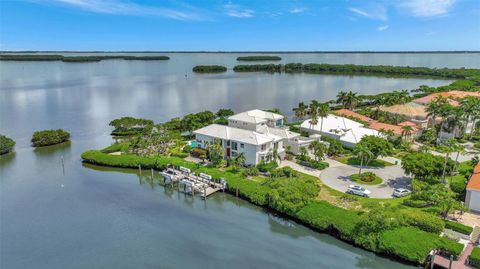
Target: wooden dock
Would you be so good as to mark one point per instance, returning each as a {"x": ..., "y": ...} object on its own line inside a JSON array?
[{"x": 191, "y": 183}]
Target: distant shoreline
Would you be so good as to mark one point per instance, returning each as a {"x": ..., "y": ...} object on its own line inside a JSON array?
[{"x": 242, "y": 52}]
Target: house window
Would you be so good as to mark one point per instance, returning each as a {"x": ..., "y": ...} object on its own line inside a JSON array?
[
  {"x": 228, "y": 142},
  {"x": 234, "y": 154},
  {"x": 263, "y": 147},
  {"x": 234, "y": 145},
  {"x": 242, "y": 145},
  {"x": 275, "y": 145}
]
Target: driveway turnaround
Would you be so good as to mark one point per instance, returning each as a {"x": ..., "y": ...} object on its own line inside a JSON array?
[{"x": 393, "y": 177}]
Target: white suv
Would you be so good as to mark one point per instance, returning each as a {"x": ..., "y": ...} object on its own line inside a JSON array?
[
  {"x": 399, "y": 192},
  {"x": 358, "y": 190}
]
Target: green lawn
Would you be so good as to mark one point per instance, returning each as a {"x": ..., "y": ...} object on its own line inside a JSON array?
[{"x": 354, "y": 161}]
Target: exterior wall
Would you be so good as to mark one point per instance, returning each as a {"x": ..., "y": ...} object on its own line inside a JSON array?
[
  {"x": 250, "y": 151},
  {"x": 472, "y": 200}
]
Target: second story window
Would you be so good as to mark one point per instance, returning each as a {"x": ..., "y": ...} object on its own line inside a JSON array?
[
  {"x": 263, "y": 147},
  {"x": 234, "y": 145}
]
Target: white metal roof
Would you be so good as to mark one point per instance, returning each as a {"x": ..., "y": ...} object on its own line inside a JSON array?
[
  {"x": 281, "y": 132},
  {"x": 345, "y": 129},
  {"x": 256, "y": 116},
  {"x": 236, "y": 134}
]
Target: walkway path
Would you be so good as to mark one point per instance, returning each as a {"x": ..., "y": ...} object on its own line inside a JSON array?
[{"x": 462, "y": 260}]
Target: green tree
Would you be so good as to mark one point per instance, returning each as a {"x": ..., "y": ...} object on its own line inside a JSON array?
[
  {"x": 318, "y": 149},
  {"x": 216, "y": 153},
  {"x": 6, "y": 144},
  {"x": 364, "y": 154},
  {"x": 301, "y": 110},
  {"x": 424, "y": 166},
  {"x": 377, "y": 145},
  {"x": 224, "y": 113},
  {"x": 471, "y": 107},
  {"x": 322, "y": 111}
]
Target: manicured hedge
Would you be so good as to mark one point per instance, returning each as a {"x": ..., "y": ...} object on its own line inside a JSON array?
[
  {"x": 324, "y": 216},
  {"x": 414, "y": 245},
  {"x": 458, "y": 227},
  {"x": 474, "y": 258},
  {"x": 423, "y": 221},
  {"x": 49, "y": 137},
  {"x": 6, "y": 144}
]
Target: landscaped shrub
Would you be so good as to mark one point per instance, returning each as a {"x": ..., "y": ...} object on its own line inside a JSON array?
[
  {"x": 324, "y": 216},
  {"x": 283, "y": 172},
  {"x": 6, "y": 144},
  {"x": 198, "y": 152},
  {"x": 266, "y": 166},
  {"x": 458, "y": 227},
  {"x": 250, "y": 172},
  {"x": 414, "y": 245},
  {"x": 368, "y": 178},
  {"x": 186, "y": 149},
  {"x": 474, "y": 258},
  {"x": 313, "y": 164},
  {"x": 424, "y": 221},
  {"x": 49, "y": 137}
]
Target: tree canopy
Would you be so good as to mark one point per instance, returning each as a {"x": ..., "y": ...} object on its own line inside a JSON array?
[{"x": 6, "y": 144}]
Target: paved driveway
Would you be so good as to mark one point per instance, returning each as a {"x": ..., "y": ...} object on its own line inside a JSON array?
[{"x": 393, "y": 177}]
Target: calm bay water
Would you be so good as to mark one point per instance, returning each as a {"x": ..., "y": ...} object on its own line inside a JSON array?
[{"x": 85, "y": 218}]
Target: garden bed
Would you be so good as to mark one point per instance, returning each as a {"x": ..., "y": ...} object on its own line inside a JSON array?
[{"x": 367, "y": 178}]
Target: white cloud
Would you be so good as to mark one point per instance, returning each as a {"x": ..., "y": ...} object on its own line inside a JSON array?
[
  {"x": 237, "y": 12},
  {"x": 120, "y": 7},
  {"x": 382, "y": 28},
  {"x": 427, "y": 8},
  {"x": 297, "y": 10},
  {"x": 376, "y": 13}
]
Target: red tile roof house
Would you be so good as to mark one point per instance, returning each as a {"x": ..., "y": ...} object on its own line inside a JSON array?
[
  {"x": 379, "y": 126},
  {"x": 472, "y": 199}
]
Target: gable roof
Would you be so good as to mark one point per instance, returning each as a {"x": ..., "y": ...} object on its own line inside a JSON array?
[
  {"x": 235, "y": 134},
  {"x": 474, "y": 182},
  {"x": 256, "y": 116}
]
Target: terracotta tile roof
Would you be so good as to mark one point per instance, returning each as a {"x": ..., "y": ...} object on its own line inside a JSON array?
[
  {"x": 451, "y": 95},
  {"x": 349, "y": 113},
  {"x": 379, "y": 125},
  {"x": 410, "y": 109},
  {"x": 408, "y": 123},
  {"x": 474, "y": 182}
]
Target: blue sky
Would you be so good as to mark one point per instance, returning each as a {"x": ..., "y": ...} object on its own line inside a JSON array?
[{"x": 240, "y": 25}]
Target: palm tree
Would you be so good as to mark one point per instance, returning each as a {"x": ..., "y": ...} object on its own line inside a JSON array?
[
  {"x": 433, "y": 108},
  {"x": 318, "y": 150},
  {"x": 313, "y": 112},
  {"x": 240, "y": 159},
  {"x": 471, "y": 107},
  {"x": 342, "y": 98},
  {"x": 274, "y": 156},
  {"x": 364, "y": 154},
  {"x": 351, "y": 100},
  {"x": 301, "y": 110},
  {"x": 322, "y": 111},
  {"x": 445, "y": 111},
  {"x": 447, "y": 147},
  {"x": 406, "y": 131}
]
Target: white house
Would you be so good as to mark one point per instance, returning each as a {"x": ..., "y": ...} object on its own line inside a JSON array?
[
  {"x": 347, "y": 131},
  {"x": 472, "y": 198},
  {"x": 255, "y": 146},
  {"x": 255, "y": 133}
]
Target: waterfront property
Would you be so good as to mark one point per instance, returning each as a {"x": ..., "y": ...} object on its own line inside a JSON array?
[
  {"x": 472, "y": 198},
  {"x": 347, "y": 131},
  {"x": 256, "y": 133}
]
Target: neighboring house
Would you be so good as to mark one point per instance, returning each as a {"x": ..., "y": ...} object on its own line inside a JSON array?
[
  {"x": 255, "y": 133},
  {"x": 347, "y": 131},
  {"x": 380, "y": 126},
  {"x": 472, "y": 199},
  {"x": 255, "y": 119}
]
